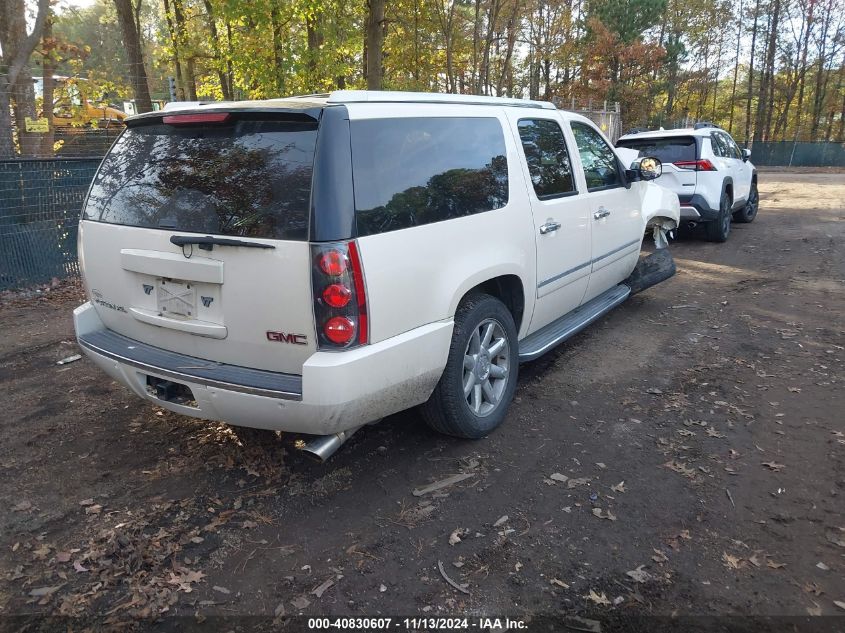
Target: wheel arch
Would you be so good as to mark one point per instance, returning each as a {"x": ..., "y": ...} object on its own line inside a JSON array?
[{"x": 507, "y": 287}]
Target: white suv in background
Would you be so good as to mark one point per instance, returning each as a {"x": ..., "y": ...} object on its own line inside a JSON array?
[
  {"x": 314, "y": 264},
  {"x": 713, "y": 178}
]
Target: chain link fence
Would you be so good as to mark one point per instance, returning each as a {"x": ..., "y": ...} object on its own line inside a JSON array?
[
  {"x": 40, "y": 203},
  {"x": 798, "y": 154}
]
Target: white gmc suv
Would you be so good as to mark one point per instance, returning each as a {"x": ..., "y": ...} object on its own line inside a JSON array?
[
  {"x": 714, "y": 179},
  {"x": 313, "y": 264}
]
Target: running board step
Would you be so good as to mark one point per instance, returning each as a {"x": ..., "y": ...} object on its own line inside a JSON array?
[{"x": 569, "y": 325}]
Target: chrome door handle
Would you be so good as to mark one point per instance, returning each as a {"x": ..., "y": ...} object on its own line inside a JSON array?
[
  {"x": 548, "y": 227},
  {"x": 601, "y": 213}
]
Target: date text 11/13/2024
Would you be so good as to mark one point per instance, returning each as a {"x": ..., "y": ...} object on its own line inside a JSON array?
[{"x": 417, "y": 624}]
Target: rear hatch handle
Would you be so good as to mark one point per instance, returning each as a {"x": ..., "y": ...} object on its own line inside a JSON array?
[{"x": 208, "y": 242}]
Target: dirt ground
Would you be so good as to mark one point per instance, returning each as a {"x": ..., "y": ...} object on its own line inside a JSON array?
[{"x": 683, "y": 456}]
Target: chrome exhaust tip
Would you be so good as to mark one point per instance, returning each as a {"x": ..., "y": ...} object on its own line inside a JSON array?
[{"x": 321, "y": 447}]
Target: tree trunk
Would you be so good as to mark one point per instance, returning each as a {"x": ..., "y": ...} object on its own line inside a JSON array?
[
  {"x": 751, "y": 74},
  {"x": 278, "y": 51},
  {"x": 314, "y": 30},
  {"x": 736, "y": 69},
  {"x": 48, "y": 67},
  {"x": 134, "y": 55},
  {"x": 16, "y": 87},
  {"x": 821, "y": 75},
  {"x": 174, "y": 41},
  {"x": 225, "y": 88},
  {"x": 375, "y": 44}
]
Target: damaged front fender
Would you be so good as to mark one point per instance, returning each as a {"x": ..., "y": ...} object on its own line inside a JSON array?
[{"x": 661, "y": 212}]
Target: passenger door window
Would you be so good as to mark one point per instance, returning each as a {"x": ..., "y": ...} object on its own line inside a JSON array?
[
  {"x": 601, "y": 169},
  {"x": 547, "y": 158},
  {"x": 720, "y": 148}
]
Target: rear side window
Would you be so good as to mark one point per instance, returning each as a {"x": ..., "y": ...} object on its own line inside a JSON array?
[
  {"x": 669, "y": 150},
  {"x": 547, "y": 158},
  {"x": 248, "y": 178},
  {"x": 413, "y": 171},
  {"x": 601, "y": 168}
]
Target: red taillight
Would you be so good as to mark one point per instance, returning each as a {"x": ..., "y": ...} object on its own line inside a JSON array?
[
  {"x": 336, "y": 295},
  {"x": 360, "y": 292},
  {"x": 339, "y": 330},
  {"x": 340, "y": 296},
  {"x": 332, "y": 263},
  {"x": 188, "y": 119},
  {"x": 695, "y": 165}
]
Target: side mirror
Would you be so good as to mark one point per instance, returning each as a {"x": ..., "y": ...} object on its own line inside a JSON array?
[
  {"x": 746, "y": 154},
  {"x": 646, "y": 168}
]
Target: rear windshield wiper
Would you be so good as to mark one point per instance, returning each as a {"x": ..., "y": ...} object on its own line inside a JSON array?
[{"x": 208, "y": 242}]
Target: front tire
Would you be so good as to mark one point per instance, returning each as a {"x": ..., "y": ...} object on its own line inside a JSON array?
[
  {"x": 478, "y": 383},
  {"x": 749, "y": 211},
  {"x": 718, "y": 230}
]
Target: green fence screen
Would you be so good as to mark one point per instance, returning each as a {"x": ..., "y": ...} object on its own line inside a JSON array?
[
  {"x": 789, "y": 154},
  {"x": 40, "y": 204}
]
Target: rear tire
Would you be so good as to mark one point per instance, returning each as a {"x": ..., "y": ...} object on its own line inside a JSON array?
[
  {"x": 749, "y": 211},
  {"x": 478, "y": 383},
  {"x": 718, "y": 230}
]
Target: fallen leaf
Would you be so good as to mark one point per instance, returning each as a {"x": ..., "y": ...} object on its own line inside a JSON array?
[
  {"x": 95, "y": 509},
  {"x": 685, "y": 535},
  {"x": 300, "y": 602},
  {"x": 44, "y": 591},
  {"x": 22, "y": 506},
  {"x": 822, "y": 566},
  {"x": 79, "y": 567},
  {"x": 63, "y": 557},
  {"x": 598, "y": 598},
  {"x": 815, "y": 609},
  {"x": 559, "y": 583},
  {"x": 795, "y": 389},
  {"x": 680, "y": 468},
  {"x": 220, "y": 589},
  {"x": 686, "y": 433},
  {"x": 455, "y": 537},
  {"x": 443, "y": 483},
  {"x": 249, "y": 525},
  {"x": 712, "y": 432},
  {"x": 811, "y": 587},
  {"x": 654, "y": 391},
  {"x": 501, "y": 521},
  {"x": 773, "y": 466},
  {"x": 86, "y": 502},
  {"x": 773, "y": 565},
  {"x": 321, "y": 589},
  {"x": 558, "y": 477},
  {"x": 840, "y": 604},
  {"x": 580, "y": 481},
  {"x": 598, "y": 512},
  {"x": 639, "y": 574},
  {"x": 731, "y": 562},
  {"x": 659, "y": 556},
  {"x": 754, "y": 560}
]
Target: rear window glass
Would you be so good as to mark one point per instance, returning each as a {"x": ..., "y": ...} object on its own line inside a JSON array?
[
  {"x": 668, "y": 150},
  {"x": 413, "y": 171},
  {"x": 250, "y": 179}
]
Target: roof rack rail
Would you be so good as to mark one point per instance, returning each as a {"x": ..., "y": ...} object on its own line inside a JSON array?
[
  {"x": 387, "y": 96},
  {"x": 703, "y": 124}
]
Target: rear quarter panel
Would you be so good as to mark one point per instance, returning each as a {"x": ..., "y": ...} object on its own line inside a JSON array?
[{"x": 418, "y": 275}]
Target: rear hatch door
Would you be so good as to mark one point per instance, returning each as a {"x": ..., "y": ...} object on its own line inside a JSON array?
[
  {"x": 194, "y": 236},
  {"x": 671, "y": 150}
]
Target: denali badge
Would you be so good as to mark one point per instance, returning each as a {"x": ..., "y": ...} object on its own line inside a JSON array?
[{"x": 281, "y": 337}]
